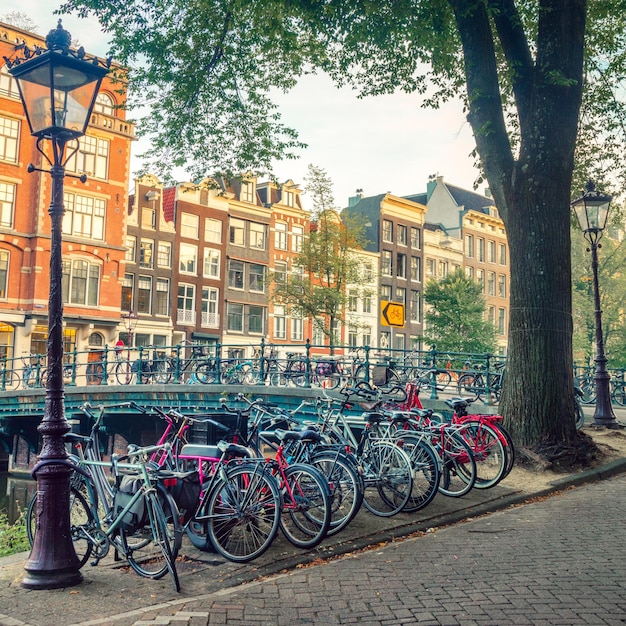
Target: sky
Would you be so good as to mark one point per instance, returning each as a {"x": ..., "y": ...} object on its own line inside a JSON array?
[{"x": 377, "y": 144}]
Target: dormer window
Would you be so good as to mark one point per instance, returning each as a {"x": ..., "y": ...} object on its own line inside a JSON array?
[
  {"x": 247, "y": 191},
  {"x": 289, "y": 198}
]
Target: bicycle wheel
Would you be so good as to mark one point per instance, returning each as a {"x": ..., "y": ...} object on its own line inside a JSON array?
[
  {"x": 387, "y": 475},
  {"x": 123, "y": 372},
  {"x": 470, "y": 386},
  {"x": 306, "y": 510},
  {"x": 346, "y": 492},
  {"x": 242, "y": 512},
  {"x": 297, "y": 373},
  {"x": 443, "y": 379},
  {"x": 146, "y": 548},
  {"x": 489, "y": 451},
  {"x": 159, "y": 558},
  {"x": 162, "y": 371},
  {"x": 81, "y": 524},
  {"x": 458, "y": 472},
  {"x": 9, "y": 379},
  {"x": 588, "y": 388},
  {"x": 425, "y": 463},
  {"x": 94, "y": 373},
  {"x": 206, "y": 373},
  {"x": 618, "y": 394}
]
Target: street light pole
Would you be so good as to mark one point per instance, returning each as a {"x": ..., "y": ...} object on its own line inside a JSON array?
[
  {"x": 58, "y": 88},
  {"x": 592, "y": 210}
]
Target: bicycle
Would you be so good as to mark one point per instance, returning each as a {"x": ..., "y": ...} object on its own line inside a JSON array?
[
  {"x": 33, "y": 371},
  {"x": 135, "y": 523},
  {"x": 478, "y": 386},
  {"x": 9, "y": 378}
]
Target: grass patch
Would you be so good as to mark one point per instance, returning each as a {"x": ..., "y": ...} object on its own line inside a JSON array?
[{"x": 13, "y": 537}]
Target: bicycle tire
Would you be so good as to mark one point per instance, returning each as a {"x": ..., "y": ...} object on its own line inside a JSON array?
[
  {"x": 618, "y": 395},
  {"x": 426, "y": 475},
  {"x": 588, "y": 389},
  {"x": 346, "y": 490},
  {"x": 443, "y": 379},
  {"x": 469, "y": 386},
  {"x": 387, "y": 474},
  {"x": 94, "y": 373},
  {"x": 161, "y": 557},
  {"x": 298, "y": 373},
  {"x": 123, "y": 372},
  {"x": 162, "y": 371},
  {"x": 10, "y": 379},
  {"x": 459, "y": 472},
  {"x": 306, "y": 513},
  {"x": 242, "y": 512},
  {"x": 81, "y": 523},
  {"x": 206, "y": 373},
  {"x": 145, "y": 549},
  {"x": 489, "y": 452}
]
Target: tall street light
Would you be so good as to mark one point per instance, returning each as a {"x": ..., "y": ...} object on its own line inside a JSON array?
[
  {"x": 58, "y": 88},
  {"x": 592, "y": 210}
]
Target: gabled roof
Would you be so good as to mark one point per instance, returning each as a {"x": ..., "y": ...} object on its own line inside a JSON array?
[
  {"x": 420, "y": 198},
  {"x": 470, "y": 200}
]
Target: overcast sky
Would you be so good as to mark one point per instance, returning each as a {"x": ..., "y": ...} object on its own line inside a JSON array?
[{"x": 378, "y": 144}]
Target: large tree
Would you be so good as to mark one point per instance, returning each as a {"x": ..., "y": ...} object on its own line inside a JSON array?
[{"x": 205, "y": 69}]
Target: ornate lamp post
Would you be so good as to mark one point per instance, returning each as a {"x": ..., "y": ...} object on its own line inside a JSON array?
[
  {"x": 58, "y": 88},
  {"x": 592, "y": 210},
  {"x": 130, "y": 323}
]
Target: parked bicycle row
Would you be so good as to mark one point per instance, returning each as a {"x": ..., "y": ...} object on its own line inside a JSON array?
[{"x": 267, "y": 469}]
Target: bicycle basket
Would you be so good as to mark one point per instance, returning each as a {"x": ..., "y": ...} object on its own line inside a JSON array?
[
  {"x": 137, "y": 516},
  {"x": 380, "y": 375}
]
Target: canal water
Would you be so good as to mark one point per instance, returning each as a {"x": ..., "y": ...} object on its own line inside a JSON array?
[{"x": 15, "y": 494}]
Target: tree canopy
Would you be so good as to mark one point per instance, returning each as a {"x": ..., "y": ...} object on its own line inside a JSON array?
[{"x": 540, "y": 81}]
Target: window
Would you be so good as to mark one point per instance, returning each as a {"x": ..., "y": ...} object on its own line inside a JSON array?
[
  {"x": 280, "y": 236},
  {"x": 502, "y": 254},
  {"x": 9, "y": 134},
  {"x": 92, "y": 157},
  {"x": 8, "y": 84},
  {"x": 297, "y": 329},
  {"x": 491, "y": 251},
  {"x": 385, "y": 259},
  {"x": 164, "y": 254},
  {"x": 162, "y": 297},
  {"x": 491, "y": 314},
  {"x": 469, "y": 246},
  {"x": 131, "y": 249},
  {"x": 127, "y": 292},
  {"x": 297, "y": 238},
  {"x": 401, "y": 295},
  {"x": 185, "y": 303},
  {"x": 81, "y": 282},
  {"x": 237, "y": 232},
  {"x": 247, "y": 191},
  {"x": 4, "y": 273},
  {"x": 402, "y": 235},
  {"x": 480, "y": 277},
  {"x": 469, "y": 272},
  {"x": 368, "y": 273},
  {"x": 367, "y": 304},
  {"x": 288, "y": 198},
  {"x": 385, "y": 292},
  {"x": 280, "y": 322},
  {"x": 84, "y": 216},
  {"x": 416, "y": 238},
  {"x": 388, "y": 231},
  {"x": 212, "y": 230},
  {"x": 491, "y": 283},
  {"x": 481, "y": 249},
  {"x": 399, "y": 341},
  {"x": 401, "y": 266},
  {"x": 7, "y": 202},
  {"x": 280, "y": 272},
  {"x": 443, "y": 269},
  {"x": 366, "y": 337},
  {"x": 188, "y": 261},
  {"x": 146, "y": 253},
  {"x": 148, "y": 218},
  {"x": 352, "y": 337},
  {"x": 431, "y": 267},
  {"x": 211, "y": 263},
  {"x": 502, "y": 285},
  {"x": 144, "y": 294},
  {"x": 234, "y": 317},
  {"x": 257, "y": 277},
  {"x": 257, "y": 236},
  {"x": 415, "y": 306},
  {"x": 501, "y": 321},
  {"x": 235, "y": 274},
  {"x": 210, "y": 300},
  {"x": 352, "y": 301},
  {"x": 189, "y": 225},
  {"x": 416, "y": 269},
  {"x": 104, "y": 104}
]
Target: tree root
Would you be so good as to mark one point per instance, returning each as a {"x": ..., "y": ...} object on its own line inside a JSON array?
[{"x": 551, "y": 455}]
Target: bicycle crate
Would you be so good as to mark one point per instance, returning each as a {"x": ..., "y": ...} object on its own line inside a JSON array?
[{"x": 207, "y": 433}]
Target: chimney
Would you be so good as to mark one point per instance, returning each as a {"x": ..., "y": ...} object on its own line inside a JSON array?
[
  {"x": 488, "y": 193},
  {"x": 354, "y": 200}
]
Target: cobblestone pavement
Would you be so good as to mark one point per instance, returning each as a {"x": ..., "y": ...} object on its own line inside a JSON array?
[{"x": 559, "y": 560}]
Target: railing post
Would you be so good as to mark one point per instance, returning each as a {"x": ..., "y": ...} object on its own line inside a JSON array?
[
  {"x": 176, "y": 350},
  {"x": 3, "y": 382},
  {"x": 433, "y": 373},
  {"x": 367, "y": 363},
  {"x": 139, "y": 380},
  {"x": 262, "y": 362},
  {"x": 307, "y": 361},
  {"x": 105, "y": 363},
  {"x": 487, "y": 386},
  {"x": 218, "y": 363}
]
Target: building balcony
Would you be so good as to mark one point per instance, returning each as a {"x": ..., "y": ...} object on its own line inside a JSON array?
[
  {"x": 210, "y": 320},
  {"x": 184, "y": 316}
]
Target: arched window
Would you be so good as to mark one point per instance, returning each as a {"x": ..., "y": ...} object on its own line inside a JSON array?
[
  {"x": 96, "y": 340},
  {"x": 105, "y": 104}
]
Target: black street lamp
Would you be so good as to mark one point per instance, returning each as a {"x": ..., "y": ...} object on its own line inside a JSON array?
[
  {"x": 58, "y": 88},
  {"x": 130, "y": 323},
  {"x": 592, "y": 210}
]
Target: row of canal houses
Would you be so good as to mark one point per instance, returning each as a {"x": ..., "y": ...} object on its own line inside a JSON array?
[{"x": 194, "y": 262}]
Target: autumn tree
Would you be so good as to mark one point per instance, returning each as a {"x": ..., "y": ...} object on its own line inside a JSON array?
[
  {"x": 328, "y": 259},
  {"x": 455, "y": 319},
  {"x": 525, "y": 71}
]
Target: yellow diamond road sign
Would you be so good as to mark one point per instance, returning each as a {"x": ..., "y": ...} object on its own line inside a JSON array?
[{"x": 391, "y": 313}]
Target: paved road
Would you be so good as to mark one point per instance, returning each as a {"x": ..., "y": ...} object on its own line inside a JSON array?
[{"x": 560, "y": 560}]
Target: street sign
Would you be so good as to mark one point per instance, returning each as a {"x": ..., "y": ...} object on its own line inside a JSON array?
[{"x": 391, "y": 314}]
